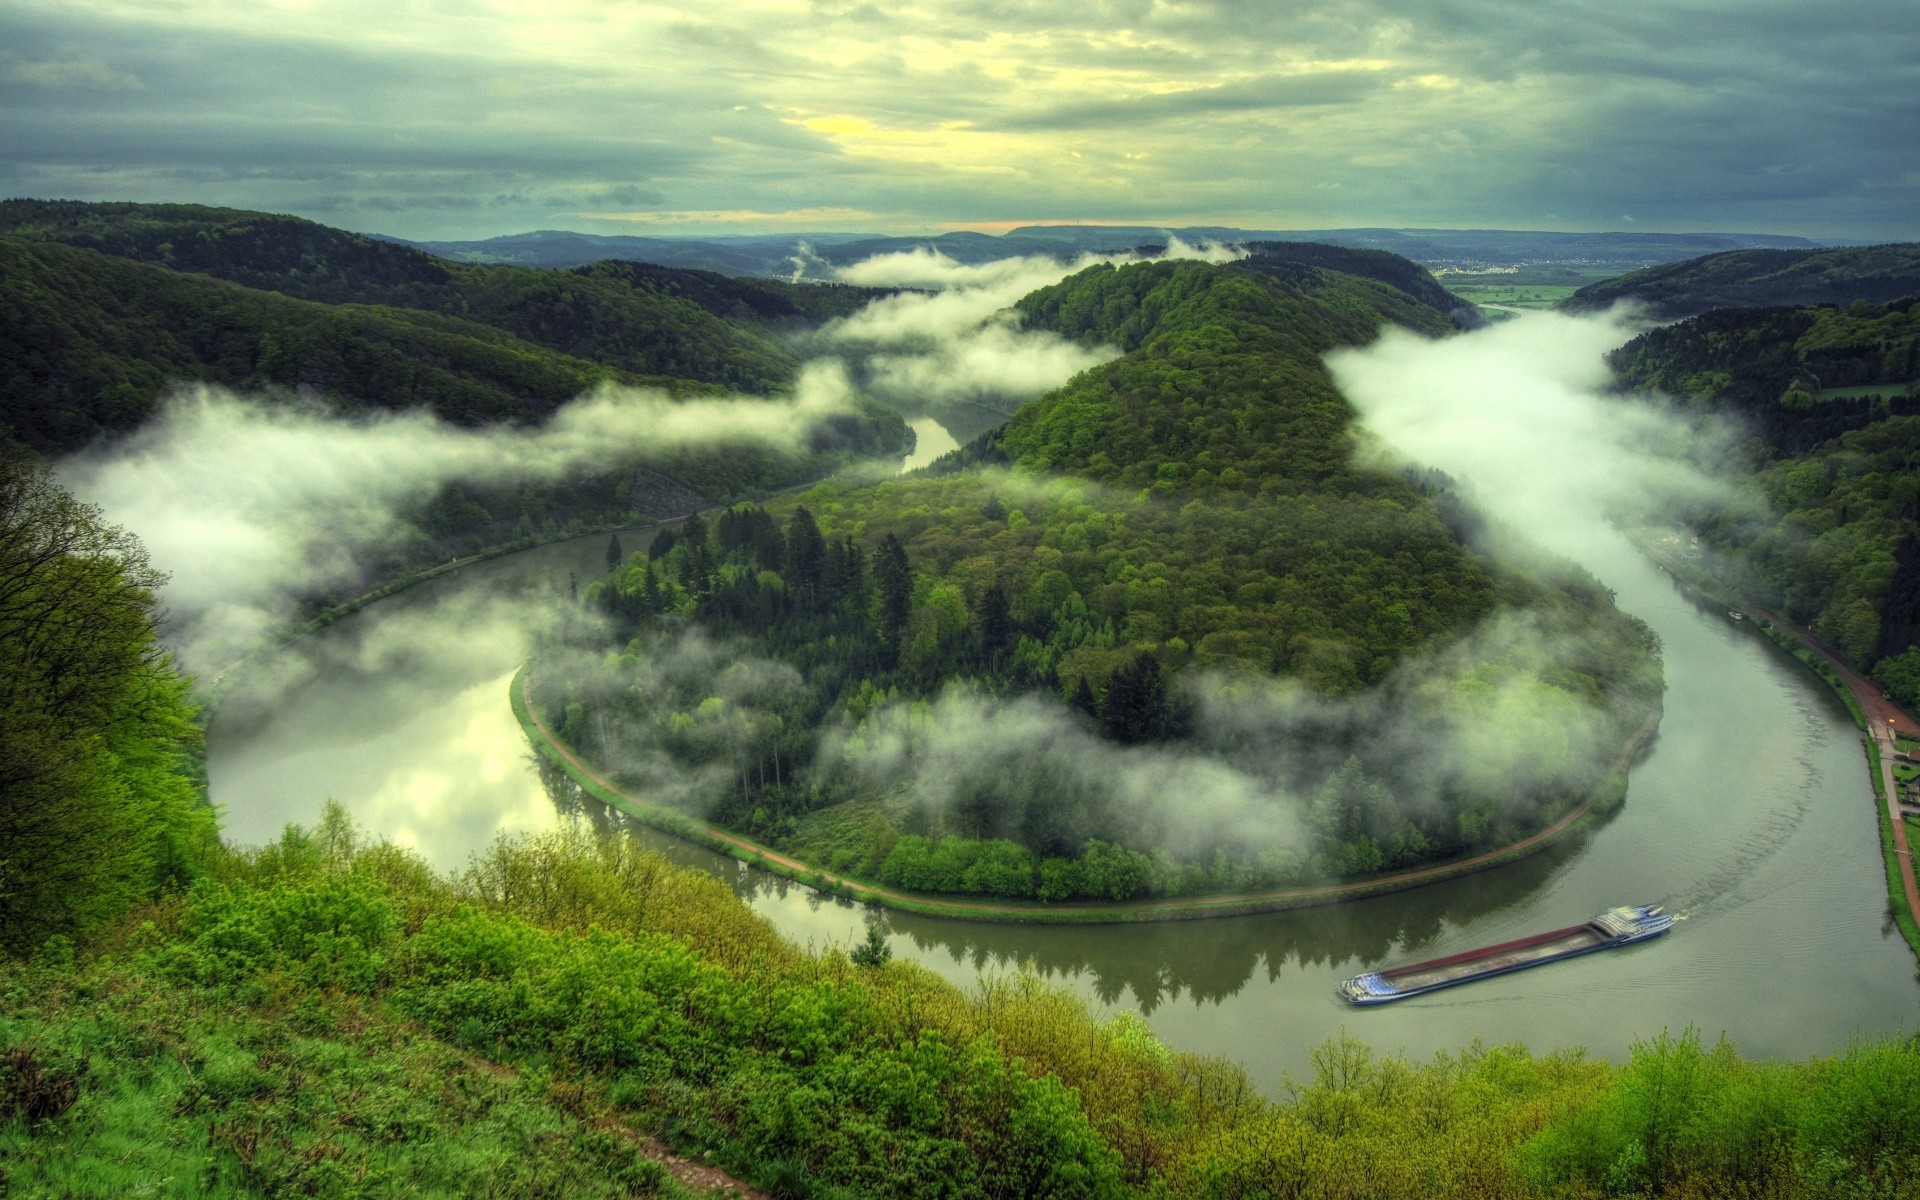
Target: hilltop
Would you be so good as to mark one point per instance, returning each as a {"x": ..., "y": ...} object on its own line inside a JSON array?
[{"x": 1761, "y": 278}]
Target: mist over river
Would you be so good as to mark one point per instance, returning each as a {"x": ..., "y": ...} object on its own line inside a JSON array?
[{"x": 1751, "y": 816}]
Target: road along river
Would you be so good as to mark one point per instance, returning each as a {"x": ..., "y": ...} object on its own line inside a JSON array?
[{"x": 1751, "y": 816}]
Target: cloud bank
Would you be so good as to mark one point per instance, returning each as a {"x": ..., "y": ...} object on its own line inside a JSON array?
[
  {"x": 955, "y": 340},
  {"x": 1519, "y": 414}
]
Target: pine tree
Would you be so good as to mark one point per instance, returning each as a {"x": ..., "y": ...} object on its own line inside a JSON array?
[
  {"x": 893, "y": 579},
  {"x": 1135, "y": 708}
]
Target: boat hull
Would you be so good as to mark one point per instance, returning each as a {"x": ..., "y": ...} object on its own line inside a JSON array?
[{"x": 1610, "y": 930}]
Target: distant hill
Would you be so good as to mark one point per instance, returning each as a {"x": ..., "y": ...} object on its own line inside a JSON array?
[
  {"x": 766, "y": 255},
  {"x": 104, "y": 308},
  {"x": 1389, "y": 268},
  {"x": 1460, "y": 249},
  {"x": 90, "y": 343},
  {"x": 1762, "y": 278},
  {"x": 781, "y": 255},
  {"x": 659, "y": 321}
]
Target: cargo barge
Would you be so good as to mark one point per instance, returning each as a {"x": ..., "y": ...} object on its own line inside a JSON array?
[{"x": 1615, "y": 927}]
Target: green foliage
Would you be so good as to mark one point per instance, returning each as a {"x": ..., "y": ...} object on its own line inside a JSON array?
[
  {"x": 98, "y": 810},
  {"x": 637, "y": 318},
  {"x": 531, "y": 1025},
  {"x": 181, "y": 1093},
  {"x": 1827, "y": 529}
]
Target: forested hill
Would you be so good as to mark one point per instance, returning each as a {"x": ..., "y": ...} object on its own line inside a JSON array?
[
  {"x": 91, "y": 345},
  {"x": 1383, "y": 265},
  {"x": 641, "y": 319},
  {"x": 1761, "y": 278},
  {"x": 1259, "y": 414},
  {"x": 92, "y": 342},
  {"x": 1189, "y": 512},
  {"x": 1832, "y": 397}
]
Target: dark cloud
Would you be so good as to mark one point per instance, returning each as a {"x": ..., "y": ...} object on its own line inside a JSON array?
[{"x": 466, "y": 122}]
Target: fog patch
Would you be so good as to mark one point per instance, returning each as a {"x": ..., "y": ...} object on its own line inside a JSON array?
[
  {"x": 1520, "y": 415},
  {"x": 252, "y": 504},
  {"x": 957, "y": 340},
  {"x": 1478, "y": 724}
]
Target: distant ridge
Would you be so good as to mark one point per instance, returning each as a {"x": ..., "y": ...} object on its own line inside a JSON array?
[
  {"x": 784, "y": 254},
  {"x": 1762, "y": 279}
]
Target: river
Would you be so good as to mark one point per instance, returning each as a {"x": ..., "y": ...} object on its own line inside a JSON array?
[{"x": 1751, "y": 816}]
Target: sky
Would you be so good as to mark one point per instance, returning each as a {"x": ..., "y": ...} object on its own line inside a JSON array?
[{"x": 469, "y": 118}]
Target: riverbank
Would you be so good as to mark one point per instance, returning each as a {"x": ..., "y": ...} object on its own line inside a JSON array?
[
  {"x": 545, "y": 741},
  {"x": 1879, "y": 718}
]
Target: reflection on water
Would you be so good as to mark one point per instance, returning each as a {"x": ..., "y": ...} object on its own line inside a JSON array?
[
  {"x": 933, "y": 440},
  {"x": 1749, "y": 815}
]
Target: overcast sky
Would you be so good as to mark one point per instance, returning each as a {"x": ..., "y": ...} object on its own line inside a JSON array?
[{"x": 463, "y": 118}]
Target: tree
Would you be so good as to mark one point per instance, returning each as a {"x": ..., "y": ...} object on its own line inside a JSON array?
[
  {"x": 95, "y": 812},
  {"x": 1135, "y": 707},
  {"x": 615, "y": 555},
  {"x": 806, "y": 558},
  {"x": 893, "y": 578},
  {"x": 996, "y": 622}
]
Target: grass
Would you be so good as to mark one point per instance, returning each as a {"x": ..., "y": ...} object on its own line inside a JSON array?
[
  {"x": 175, "y": 1093},
  {"x": 1516, "y": 295}
]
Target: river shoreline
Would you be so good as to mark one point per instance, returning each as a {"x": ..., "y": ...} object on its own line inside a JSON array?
[
  {"x": 1864, "y": 704},
  {"x": 548, "y": 744}
]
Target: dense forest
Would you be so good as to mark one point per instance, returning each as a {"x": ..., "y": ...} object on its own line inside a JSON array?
[
  {"x": 1827, "y": 530},
  {"x": 106, "y": 309},
  {"x": 1126, "y": 548},
  {"x": 326, "y": 1016},
  {"x": 1761, "y": 278}
]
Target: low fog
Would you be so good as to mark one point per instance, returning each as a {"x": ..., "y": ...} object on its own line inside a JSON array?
[
  {"x": 251, "y": 504},
  {"x": 1477, "y": 717},
  {"x": 1519, "y": 414},
  {"x": 951, "y": 349}
]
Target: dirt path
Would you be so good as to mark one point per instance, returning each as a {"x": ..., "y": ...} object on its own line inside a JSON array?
[{"x": 1116, "y": 911}]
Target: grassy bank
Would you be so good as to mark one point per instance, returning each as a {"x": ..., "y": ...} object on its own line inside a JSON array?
[
  {"x": 1604, "y": 798},
  {"x": 328, "y": 1017}
]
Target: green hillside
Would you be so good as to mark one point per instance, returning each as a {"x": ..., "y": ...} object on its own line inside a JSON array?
[
  {"x": 641, "y": 319},
  {"x": 1828, "y": 530},
  {"x": 326, "y": 1016},
  {"x": 1193, "y": 507},
  {"x": 1761, "y": 278},
  {"x": 90, "y": 345}
]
